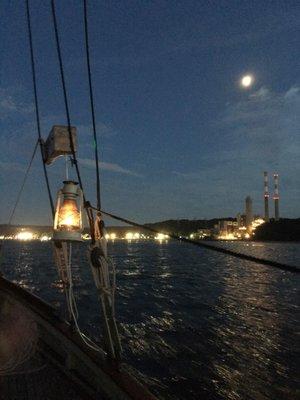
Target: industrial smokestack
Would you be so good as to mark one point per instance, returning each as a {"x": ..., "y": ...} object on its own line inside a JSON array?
[
  {"x": 276, "y": 197},
  {"x": 266, "y": 197},
  {"x": 249, "y": 214}
]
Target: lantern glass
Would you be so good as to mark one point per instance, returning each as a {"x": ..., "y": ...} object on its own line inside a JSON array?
[{"x": 68, "y": 216}]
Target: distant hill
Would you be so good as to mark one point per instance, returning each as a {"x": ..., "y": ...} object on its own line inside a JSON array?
[
  {"x": 283, "y": 230},
  {"x": 185, "y": 226}
]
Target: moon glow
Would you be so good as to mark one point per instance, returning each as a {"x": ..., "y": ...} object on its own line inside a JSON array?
[{"x": 247, "y": 81}]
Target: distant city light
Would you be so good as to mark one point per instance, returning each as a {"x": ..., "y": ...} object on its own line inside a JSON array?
[
  {"x": 224, "y": 230},
  {"x": 111, "y": 236},
  {"x": 24, "y": 235},
  {"x": 129, "y": 236},
  {"x": 161, "y": 237},
  {"x": 45, "y": 238},
  {"x": 229, "y": 236},
  {"x": 257, "y": 222}
]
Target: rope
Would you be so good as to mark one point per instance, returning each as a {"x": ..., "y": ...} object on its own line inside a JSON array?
[
  {"x": 62, "y": 75},
  {"x": 72, "y": 305},
  {"x": 92, "y": 104},
  {"x": 37, "y": 105},
  {"x": 242, "y": 256}
]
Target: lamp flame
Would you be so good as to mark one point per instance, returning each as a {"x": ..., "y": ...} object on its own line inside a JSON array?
[{"x": 69, "y": 216}]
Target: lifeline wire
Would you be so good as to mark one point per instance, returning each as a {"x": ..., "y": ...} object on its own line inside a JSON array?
[
  {"x": 92, "y": 104},
  {"x": 37, "y": 105},
  {"x": 242, "y": 256}
]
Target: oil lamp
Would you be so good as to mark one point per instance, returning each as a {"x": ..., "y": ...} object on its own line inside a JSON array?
[{"x": 68, "y": 215}]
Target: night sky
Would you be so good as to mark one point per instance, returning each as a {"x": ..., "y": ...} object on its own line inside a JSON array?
[{"x": 179, "y": 137}]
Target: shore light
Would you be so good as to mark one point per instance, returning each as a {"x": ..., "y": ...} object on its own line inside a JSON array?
[
  {"x": 161, "y": 236},
  {"x": 68, "y": 215},
  {"x": 45, "y": 238},
  {"x": 24, "y": 236},
  {"x": 129, "y": 236}
]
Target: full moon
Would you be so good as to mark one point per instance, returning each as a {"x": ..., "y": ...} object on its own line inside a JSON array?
[{"x": 247, "y": 81}]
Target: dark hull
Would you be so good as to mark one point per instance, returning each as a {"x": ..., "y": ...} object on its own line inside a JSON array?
[{"x": 61, "y": 366}]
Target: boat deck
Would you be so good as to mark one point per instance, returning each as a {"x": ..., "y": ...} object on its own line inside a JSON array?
[{"x": 38, "y": 379}]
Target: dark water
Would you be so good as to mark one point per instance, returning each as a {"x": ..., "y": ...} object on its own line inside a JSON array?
[{"x": 194, "y": 324}]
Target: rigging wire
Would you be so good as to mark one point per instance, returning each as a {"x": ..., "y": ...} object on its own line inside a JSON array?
[
  {"x": 67, "y": 110},
  {"x": 74, "y": 159},
  {"x": 37, "y": 114},
  {"x": 92, "y": 104},
  {"x": 257, "y": 260},
  {"x": 19, "y": 194},
  {"x": 23, "y": 183}
]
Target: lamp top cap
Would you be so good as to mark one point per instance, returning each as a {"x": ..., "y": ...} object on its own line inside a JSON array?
[
  {"x": 70, "y": 188},
  {"x": 70, "y": 182}
]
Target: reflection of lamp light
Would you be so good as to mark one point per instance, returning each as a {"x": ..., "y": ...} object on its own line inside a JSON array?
[{"x": 68, "y": 216}]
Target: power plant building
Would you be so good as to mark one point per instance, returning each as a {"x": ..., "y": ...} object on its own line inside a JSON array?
[{"x": 245, "y": 225}]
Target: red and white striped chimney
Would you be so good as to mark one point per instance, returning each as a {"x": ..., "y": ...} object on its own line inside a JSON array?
[{"x": 266, "y": 197}]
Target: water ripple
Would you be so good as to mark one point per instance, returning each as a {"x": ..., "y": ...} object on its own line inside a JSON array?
[{"x": 194, "y": 324}]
